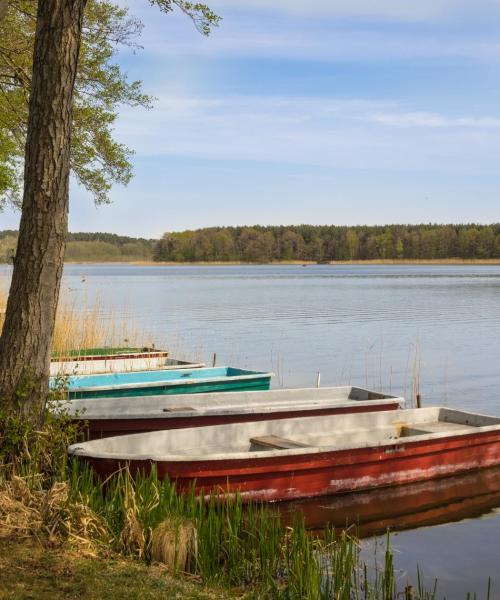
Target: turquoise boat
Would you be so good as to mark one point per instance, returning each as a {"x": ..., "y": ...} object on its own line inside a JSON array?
[{"x": 163, "y": 382}]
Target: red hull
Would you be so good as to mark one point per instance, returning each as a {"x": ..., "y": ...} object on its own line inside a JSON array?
[
  {"x": 338, "y": 471},
  {"x": 102, "y": 428}
]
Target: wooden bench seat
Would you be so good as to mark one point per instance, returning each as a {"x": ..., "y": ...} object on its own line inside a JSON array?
[
  {"x": 276, "y": 442},
  {"x": 178, "y": 408}
]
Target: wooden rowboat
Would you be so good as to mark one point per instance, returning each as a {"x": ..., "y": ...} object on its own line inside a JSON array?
[
  {"x": 109, "y": 360},
  {"x": 120, "y": 416},
  {"x": 165, "y": 381},
  {"x": 314, "y": 456}
]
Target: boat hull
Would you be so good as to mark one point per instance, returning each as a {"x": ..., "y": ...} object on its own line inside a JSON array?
[
  {"x": 122, "y": 416},
  {"x": 257, "y": 383},
  {"x": 285, "y": 478},
  {"x": 100, "y": 428},
  {"x": 93, "y": 365}
]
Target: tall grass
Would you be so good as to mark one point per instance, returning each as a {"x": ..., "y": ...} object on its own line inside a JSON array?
[
  {"x": 87, "y": 325},
  {"x": 91, "y": 326},
  {"x": 246, "y": 545}
]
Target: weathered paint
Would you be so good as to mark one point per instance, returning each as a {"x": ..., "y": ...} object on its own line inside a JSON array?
[{"x": 473, "y": 443}]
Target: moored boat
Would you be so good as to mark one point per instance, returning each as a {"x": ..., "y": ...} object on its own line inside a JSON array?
[
  {"x": 120, "y": 416},
  {"x": 293, "y": 458},
  {"x": 89, "y": 361},
  {"x": 165, "y": 381}
]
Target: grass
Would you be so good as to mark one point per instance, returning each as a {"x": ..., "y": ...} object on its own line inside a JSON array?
[
  {"x": 89, "y": 325},
  {"x": 30, "y": 570},
  {"x": 244, "y": 546}
]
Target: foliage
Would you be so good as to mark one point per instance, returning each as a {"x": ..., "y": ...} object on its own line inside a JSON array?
[
  {"x": 89, "y": 247},
  {"x": 331, "y": 242},
  {"x": 101, "y": 87},
  {"x": 40, "y": 452},
  {"x": 97, "y": 159}
]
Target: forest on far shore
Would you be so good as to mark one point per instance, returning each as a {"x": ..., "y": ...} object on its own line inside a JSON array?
[
  {"x": 330, "y": 242},
  {"x": 89, "y": 247},
  {"x": 260, "y": 244}
]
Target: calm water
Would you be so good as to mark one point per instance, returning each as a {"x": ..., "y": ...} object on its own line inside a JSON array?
[{"x": 376, "y": 326}]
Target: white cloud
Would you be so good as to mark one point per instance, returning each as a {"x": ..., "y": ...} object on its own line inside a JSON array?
[
  {"x": 335, "y": 133},
  {"x": 430, "y": 120}
]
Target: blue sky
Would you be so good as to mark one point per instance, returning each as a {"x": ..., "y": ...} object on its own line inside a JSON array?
[{"x": 326, "y": 111}]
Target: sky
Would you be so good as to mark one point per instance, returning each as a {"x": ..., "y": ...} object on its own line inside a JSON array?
[{"x": 324, "y": 112}]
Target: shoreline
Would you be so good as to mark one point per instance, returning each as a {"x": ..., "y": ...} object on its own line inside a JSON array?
[
  {"x": 333, "y": 263},
  {"x": 388, "y": 261}
]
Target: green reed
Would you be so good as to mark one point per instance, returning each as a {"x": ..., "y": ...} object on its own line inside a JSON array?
[{"x": 239, "y": 544}]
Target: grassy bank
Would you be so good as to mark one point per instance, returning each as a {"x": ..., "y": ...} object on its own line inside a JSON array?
[
  {"x": 32, "y": 570},
  {"x": 245, "y": 549}
]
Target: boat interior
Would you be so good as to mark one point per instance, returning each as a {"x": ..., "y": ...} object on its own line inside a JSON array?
[
  {"x": 307, "y": 435},
  {"x": 227, "y": 402},
  {"x": 155, "y": 375}
]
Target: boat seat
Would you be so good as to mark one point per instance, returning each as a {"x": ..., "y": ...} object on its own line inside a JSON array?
[
  {"x": 276, "y": 442},
  {"x": 433, "y": 427},
  {"x": 178, "y": 408}
]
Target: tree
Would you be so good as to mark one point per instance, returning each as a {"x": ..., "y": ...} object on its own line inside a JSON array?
[
  {"x": 25, "y": 343},
  {"x": 351, "y": 244},
  {"x": 97, "y": 160}
]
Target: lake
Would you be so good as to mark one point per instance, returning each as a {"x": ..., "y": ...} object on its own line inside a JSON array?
[{"x": 392, "y": 328}]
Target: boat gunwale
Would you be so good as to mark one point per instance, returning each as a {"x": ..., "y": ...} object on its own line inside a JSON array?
[
  {"x": 78, "y": 450},
  {"x": 168, "y": 382},
  {"x": 233, "y": 410}
]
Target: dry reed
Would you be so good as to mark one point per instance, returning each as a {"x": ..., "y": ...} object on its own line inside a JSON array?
[
  {"x": 174, "y": 543},
  {"x": 27, "y": 510},
  {"x": 86, "y": 325}
]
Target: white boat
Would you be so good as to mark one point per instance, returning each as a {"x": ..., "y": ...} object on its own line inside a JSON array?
[
  {"x": 104, "y": 417},
  {"x": 102, "y": 360}
]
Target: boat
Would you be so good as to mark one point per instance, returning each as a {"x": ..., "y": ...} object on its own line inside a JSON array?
[
  {"x": 296, "y": 458},
  {"x": 165, "y": 381},
  {"x": 120, "y": 416},
  {"x": 108, "y": 360}
]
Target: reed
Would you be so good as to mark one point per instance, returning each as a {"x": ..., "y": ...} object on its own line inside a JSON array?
[
  {"x": 232, "y": 543},
  {"x": 87, "y": 324}
]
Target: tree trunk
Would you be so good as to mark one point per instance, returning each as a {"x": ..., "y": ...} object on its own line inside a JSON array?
[
  {"x": 3, "y": 8},
  {"x": 25, "y": 344}
]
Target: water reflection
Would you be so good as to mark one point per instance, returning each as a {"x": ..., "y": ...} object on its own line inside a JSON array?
[{"x": 405, "y": 507}]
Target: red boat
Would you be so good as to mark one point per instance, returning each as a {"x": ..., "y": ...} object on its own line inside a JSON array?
[
  {"x": 104, "y": 417},
  {"x": 313, "y": 456}
]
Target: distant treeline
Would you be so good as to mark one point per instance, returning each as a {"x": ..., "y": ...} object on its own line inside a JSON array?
[
  {"x": 90, "y": 247},
  {"x": 330, "y": 242}
]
